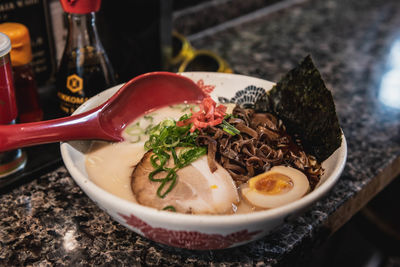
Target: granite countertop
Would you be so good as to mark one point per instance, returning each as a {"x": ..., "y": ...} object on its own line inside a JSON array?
[{"x": 50, "y": 221}]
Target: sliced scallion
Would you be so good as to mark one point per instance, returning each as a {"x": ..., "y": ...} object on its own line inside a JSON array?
[
  {"x": 163, "y": 141},
  {"x": 229, "y": 128},
  {"x": 170, "y": 207}
]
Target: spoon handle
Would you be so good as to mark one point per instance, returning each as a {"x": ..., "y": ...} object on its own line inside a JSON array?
[{"x": 77, "y": 127}]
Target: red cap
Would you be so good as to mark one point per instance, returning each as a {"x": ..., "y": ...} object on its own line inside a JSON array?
[{"x": 80, "y": 6}]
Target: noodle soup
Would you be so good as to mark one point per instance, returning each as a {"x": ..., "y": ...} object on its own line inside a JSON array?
[{"x": 125, "y": 169}]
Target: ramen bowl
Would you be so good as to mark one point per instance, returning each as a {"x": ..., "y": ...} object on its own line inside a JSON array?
[{"x": 199, "y": 232}]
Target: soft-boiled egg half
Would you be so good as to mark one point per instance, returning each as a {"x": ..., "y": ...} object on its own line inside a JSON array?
[{"x": 276, "y": 187}]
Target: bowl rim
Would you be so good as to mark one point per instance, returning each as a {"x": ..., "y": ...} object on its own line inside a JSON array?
[{"x": 183, "y": 219}]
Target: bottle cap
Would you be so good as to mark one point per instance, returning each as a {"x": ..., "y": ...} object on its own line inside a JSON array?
[
  {"x": 21, "y": 52},
  {"x": 5, "y": 44},
  {"x": 80, "y": 6}
]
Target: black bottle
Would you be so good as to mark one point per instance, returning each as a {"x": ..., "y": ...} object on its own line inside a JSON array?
[{"x": 84, "y": 69}]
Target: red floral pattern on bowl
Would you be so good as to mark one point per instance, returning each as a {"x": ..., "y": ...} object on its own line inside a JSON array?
[{"x": 188, "y": 239}]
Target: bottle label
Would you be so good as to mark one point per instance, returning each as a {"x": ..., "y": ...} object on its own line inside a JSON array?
[
  {"x": 69, "y": 103},
  {"x": 74, "y": 83},
  {"x": 78, "y": 80}
]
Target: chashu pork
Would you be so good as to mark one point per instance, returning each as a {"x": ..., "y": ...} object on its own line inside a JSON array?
[{"x": 197, "y": 191}]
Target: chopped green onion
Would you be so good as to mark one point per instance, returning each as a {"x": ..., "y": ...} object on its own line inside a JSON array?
[
  {"x": 228, "y": 131},
  {"x": 153, "y": 173},
  {"x": 185, "y": 117},
  {"x": 137, "y": 140},
  {"x": 159, "y": 157},
  {"x": 167, "y": 122},
  {"x": 170, "y": 207},
  {"x": 134, "y": 130},
  {"x": 183, "y": 107},
  {"x": 163, "y": 141},
  {"x": 170, "y": 179},
  {"x": 149, "y": 117},
  {"x": 229, "y": 128},
  {"x": 175, "y": 157},
  {"x": 170, "y": 142},
  {"x": 148, "y": 128},
  {"x": 227, "y": 116},
  {"x": 188, "y": 155}
]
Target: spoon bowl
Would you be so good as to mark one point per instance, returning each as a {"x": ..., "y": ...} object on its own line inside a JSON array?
[{"x": 107, "y": 121}]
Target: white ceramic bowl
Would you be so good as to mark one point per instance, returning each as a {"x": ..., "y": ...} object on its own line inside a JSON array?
[{"x": 198, "y": 231}]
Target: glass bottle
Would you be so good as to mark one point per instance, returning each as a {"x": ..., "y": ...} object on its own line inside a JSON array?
[
  {"x": 84, "y": 69},
  {"x": 14, "y": 160},
  {"x": 29, "y": 109}
]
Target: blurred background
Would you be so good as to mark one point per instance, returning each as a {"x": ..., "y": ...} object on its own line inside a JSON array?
[
  {"x": 150, "y": 35},
  {"x": 137, "y": 35}
]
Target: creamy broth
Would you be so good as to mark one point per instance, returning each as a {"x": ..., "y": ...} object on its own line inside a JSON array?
[{"x": 110, "y": 165}]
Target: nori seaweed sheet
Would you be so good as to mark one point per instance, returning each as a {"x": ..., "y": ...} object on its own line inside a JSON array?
[{"x": 304, "y": 104}]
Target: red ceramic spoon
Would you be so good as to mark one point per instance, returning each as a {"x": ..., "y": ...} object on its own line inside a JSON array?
[{"x": 107, "y": 121}]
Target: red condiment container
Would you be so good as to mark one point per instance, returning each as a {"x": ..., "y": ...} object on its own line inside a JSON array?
[
  {"x": 26, "y": 91},
  {"x": 14, "y": 160},
  {"x": 8, "y": 106}
]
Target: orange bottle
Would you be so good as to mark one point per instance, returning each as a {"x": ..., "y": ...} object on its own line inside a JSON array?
[{"x": 29, "y": 109}]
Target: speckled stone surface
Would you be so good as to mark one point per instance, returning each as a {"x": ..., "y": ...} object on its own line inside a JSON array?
[
  {"x": 214, "y": 12},
  {"x": 49, "y": 220}
]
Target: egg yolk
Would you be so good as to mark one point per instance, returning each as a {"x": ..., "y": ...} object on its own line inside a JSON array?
[{"x": 271, "y": 183}]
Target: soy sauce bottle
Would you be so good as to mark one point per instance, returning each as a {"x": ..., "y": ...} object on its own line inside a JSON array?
[{"x": 84, "y": 69}]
